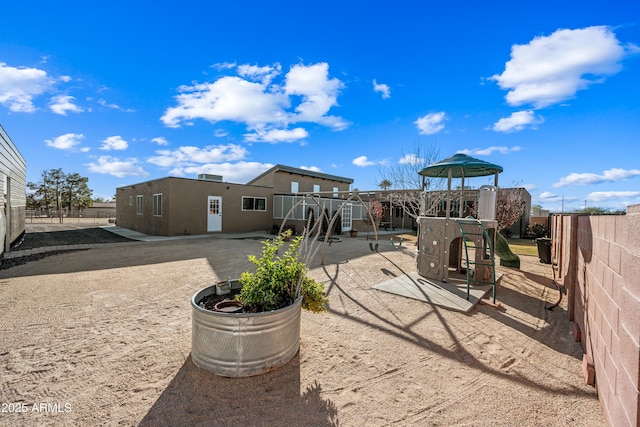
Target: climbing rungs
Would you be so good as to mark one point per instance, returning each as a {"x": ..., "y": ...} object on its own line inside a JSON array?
[
  {"x": 487, "y": 264},
  {"x": 469, "y": 228},
  {"x": 482, "y": 282}
]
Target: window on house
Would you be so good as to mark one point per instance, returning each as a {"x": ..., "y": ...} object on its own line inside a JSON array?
[
  {"x": 335, "y": 191},
  {"x": 294, "y": 187},
  {"x": 316, "y": 188},
  {"x": 157, "y": 204},
  {"x": 139, "y": 205},
  {"x": 130, "y": 200},
  {"x": 254, "y": 204}
]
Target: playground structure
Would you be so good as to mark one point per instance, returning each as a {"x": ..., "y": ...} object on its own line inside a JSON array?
[
  {"x": 441, "y": 240},
  {"x": 459, "y": 238}
]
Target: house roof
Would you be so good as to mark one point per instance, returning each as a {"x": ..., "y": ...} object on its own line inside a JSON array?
[{"x": 303, "y": 172}]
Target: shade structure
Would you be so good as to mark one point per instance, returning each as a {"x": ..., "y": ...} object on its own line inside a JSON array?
[{"x": 461, "y": 166}]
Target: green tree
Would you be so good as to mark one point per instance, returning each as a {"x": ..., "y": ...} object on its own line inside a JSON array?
[
  {"x": 592, "y": 210},
  {"x": 77, "y": 192},
  {"x": 44, "y": 194},
  {"x": 54, "y": 181},
  {"x": 58, "y": 190},
  {"x": 385, "y": 184}
]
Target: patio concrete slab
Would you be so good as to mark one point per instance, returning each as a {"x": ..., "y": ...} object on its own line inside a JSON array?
[{"x": 444, "y": 294}]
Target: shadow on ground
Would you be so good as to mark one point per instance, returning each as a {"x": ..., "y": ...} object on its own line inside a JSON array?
[{"x": 270, "y": 399}]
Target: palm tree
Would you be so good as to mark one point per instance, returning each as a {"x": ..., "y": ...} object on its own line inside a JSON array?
[{"x": 385, "y": 184}]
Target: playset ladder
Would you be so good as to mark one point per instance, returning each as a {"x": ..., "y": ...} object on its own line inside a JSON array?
[{"x": 473, "y": 230}]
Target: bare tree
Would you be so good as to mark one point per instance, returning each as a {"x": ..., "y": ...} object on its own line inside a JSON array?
[
  {"x": 406, "y": 181},
  {"x": 404, "y": 174}
]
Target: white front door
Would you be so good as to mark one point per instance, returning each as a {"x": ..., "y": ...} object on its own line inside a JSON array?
[
  {"x": 214, "y": 213},
  {"x": 346, "y": 217}
]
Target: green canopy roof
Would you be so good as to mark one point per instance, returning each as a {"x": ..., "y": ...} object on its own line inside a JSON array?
[{"x": 461, "y": 165}]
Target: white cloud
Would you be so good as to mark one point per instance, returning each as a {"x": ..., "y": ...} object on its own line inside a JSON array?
[
  {"x": 119, "y": 168},
  {"x": 490, "y": 150},
  {"x": 228, "y": 98},
  {"x": 319, "y": 94},
  {"x": 518, "y": 121},
  {"x": 610, "y": 175},
  {"x": 362, "y": 162},
  {"x": 62, "y": 103},
  {"x": 276, "y": 135},
  {"x": 114, "y": 143},
  {"x": 189, "y": 156},
  {"x": 411, "y": 159},
  {"x": 263, "y": 74},
  {"x": 267, "y": 109},
  {"x": 160, "y": 140},
  {"x": 382, "y": 88},
  {"x": 599, "y": 196},
  {"x": 430, "y": 123},
  {"x": 19, "y": 86},
  {"x": 548, "y": 197},
  {"x": 224, "y": 65},
  {"x": 104, "y": 103},
  {"x": 239, "y": 172},
  {"x": 551, "y": 69},
  {"x": 311, "y": 168},
  {"x": 66, "y": 141}
]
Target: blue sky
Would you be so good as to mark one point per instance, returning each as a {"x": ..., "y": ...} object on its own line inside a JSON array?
[{"x": 123, "y": 93}]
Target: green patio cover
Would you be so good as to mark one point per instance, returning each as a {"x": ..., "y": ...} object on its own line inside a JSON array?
[{"x": 461, "y": 165}]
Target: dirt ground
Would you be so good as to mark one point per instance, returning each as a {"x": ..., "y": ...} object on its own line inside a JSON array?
[
  {"x": 103, "y": 337},
  {"x": 40, "y": 235}
]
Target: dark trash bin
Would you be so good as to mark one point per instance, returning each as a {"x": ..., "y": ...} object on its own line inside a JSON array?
[{"x": 544, "y": 249}]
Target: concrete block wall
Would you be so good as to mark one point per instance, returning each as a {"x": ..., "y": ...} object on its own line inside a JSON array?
[{"x": 599, "y": 262}]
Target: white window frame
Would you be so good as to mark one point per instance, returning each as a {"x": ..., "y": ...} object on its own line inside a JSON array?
[
  {"x": 295, "y": 187},
  {"x": 130, "y": 200},
  {"x": 139, "y": 204},
  {"x": 316, "y": 188},
  {"x": 157, "y": 204}
]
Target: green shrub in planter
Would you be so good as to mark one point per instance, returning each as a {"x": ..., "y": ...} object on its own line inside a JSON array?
[{"x": 280, "y": 279}]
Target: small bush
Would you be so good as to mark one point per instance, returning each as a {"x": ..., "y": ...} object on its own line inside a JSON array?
[
  {"x": 538, "y": 230},
  {"x": 280, "y": 279}
]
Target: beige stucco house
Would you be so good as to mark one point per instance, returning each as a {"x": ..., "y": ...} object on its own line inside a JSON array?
[{"x": 178, "y": 206}]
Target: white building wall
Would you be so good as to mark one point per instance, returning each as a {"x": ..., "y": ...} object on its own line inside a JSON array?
[{"x": 13, "y": 198}]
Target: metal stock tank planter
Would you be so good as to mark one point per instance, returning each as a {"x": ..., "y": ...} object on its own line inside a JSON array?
[
  {"x": 243, "y": 344},
  {"x": 259, "y": 329}
]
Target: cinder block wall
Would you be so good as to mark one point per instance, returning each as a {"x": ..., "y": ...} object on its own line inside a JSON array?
[{"x": 599, "y": 262}]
